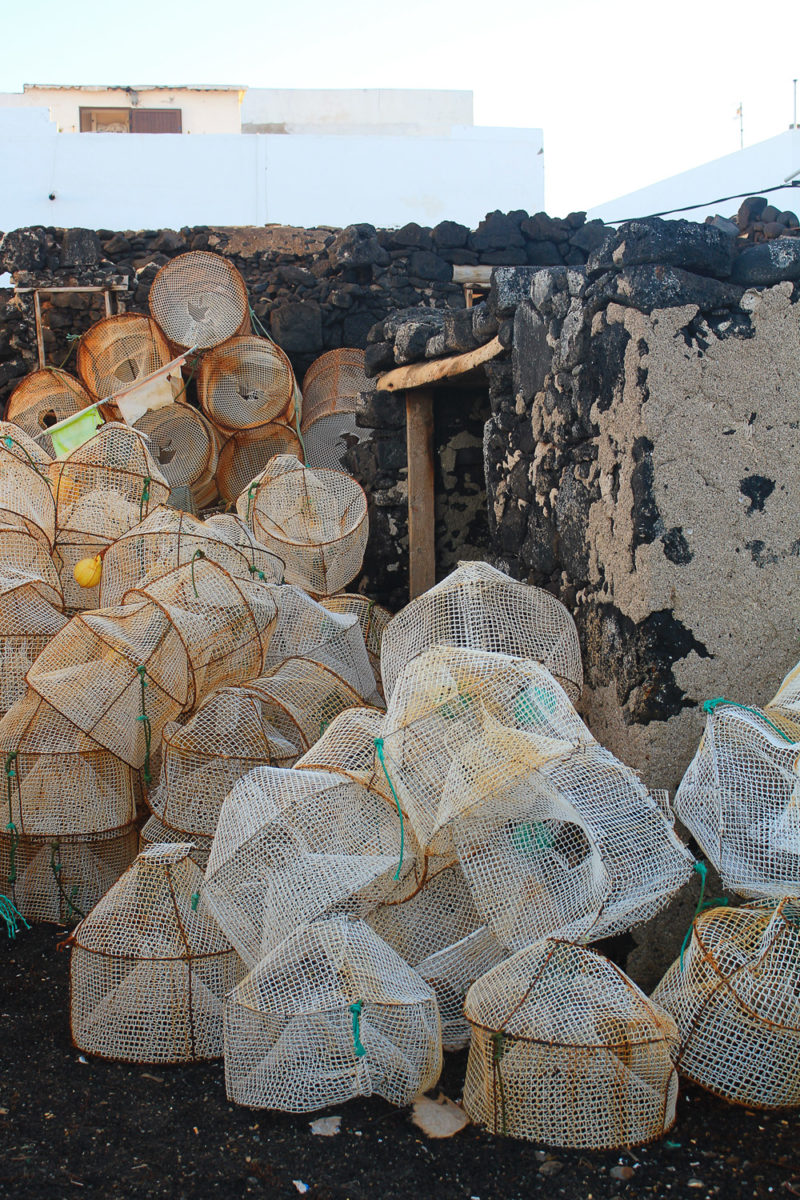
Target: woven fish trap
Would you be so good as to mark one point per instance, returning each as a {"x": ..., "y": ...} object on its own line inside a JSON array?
[
  {"x": 42, "y": 399},
  {"x": 119, "y": 352},
  {"x": 347, "y": 746},
  {"x": 740, "y": 798},
  {"x": 443, "y": 700},
  {"x": 301, "y": 697},
  {"x": 309, "y": 629},
  {"x": 154, "y": 830},
  {"x": 28, "y": 620},
  {"x": 373, "y": 619},
  {"x": 60, "y": 877},
  {"x": 332, "y": 1013},
  {"x": 225, "y": 623},
  {"x": 70, "y": 549},
  {"x": 428, "y": 910},
  {"x": 785, "y": 704},
  {"x": 331, "y": 389},
  {"x": 185, "y": 447},
  {"x": 199, "y": 300},
  {"x": 24, "y": 483},
  {"x": 292, "y": 845},
  {"x": 479, "y": 608},
  {"x": 202, "y": 760},
  {"x": 119, "y": 674},
  {"x": 149, "y": 966},
  {"x": 566, "y": 1050},
  {"x": 735, "y": 997},
  {"x": 22, "y": 554},
  {"x": 451, "y": 972},
  {"x": 264, "y": 565},
  {"x": 167, "y": 539},
  {"x": 245, "y": 454},
  {"x": 247, "y": 382},
  {"x": 316, "y": 521}
]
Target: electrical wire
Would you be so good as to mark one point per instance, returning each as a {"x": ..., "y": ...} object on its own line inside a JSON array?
[{"x": 707, "y": 203}]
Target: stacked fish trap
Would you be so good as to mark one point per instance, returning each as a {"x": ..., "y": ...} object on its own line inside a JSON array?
[
  {"x": 150, "y": 967},
  {"x": 331, "y": 389},
  {"x": 184, "y": 445},
  {"x": 44, "y": 398},
  {"x": 28, "y": 620},
  {"x": 567, "y": 1051},
  {"x": 373, "y": 619},
  {"x": 316, "y": 521},
  {"x": 120, "y": 351},
  {"x": 199, "y": 300},
  {"x": 301, "y": 697}
]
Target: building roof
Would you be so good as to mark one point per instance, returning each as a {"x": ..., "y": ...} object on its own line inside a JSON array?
[{"x": 137, "y": 87}]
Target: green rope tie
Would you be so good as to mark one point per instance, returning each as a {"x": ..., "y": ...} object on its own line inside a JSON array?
[
  {"x": 12, "y": 917},
  {"x": 251, "y": 491},
  {"x": 498, "y": 1050},
  {"x": 11, "y": 827},
  {"x": 702, "y": 871},
  {"x": 355, "y": 1009},
  {"x": 254, "y": 570},
  {"x": 145, "y": 495},
  {"x": 197, "y": 554},
  {"x": 72, "y": 338},
  {"x": 195, "y": 901},
  {"x": 709, "y": 706},
  {"x": 9, "y": 442},
  {"x": 143, "y": 717},
  {"x": 382, "y": 760}
]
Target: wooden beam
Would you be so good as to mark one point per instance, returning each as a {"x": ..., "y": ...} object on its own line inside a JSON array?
[
  {"x": 473, "y": 276},
  {"x": 421, "y": 497},
  {"x": 423, "y": 374}
]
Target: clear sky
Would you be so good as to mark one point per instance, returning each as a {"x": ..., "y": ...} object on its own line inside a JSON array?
[{"x": 627, "y": 92}]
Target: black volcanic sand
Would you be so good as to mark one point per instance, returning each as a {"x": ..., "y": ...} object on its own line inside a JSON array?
[{"x": 70, "y": 1128}]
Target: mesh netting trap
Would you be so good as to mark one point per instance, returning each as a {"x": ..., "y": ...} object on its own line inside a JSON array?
[
  {"x": 479, "y": 608},
  {"x": 331, "y": 388},
  {"x": 199, "y": 300},
  {"x": 184, "y": 445},
  {"x": 332, "y": 1013},
  {"x": 150, "y": 967},
  {"x": 373, "y": 619},
  {"x": 301, "y": 697},
  {"x": 44, "y": 398},
  {"x": 25, "y": 489},
  {"x": 28, "y": 620},
  {"x": 245, "y": 383},
  {"x": 735, "y": 997},
  {"x": 566, "y": 1050},
  {"x": 740, "y": 798},
  {"x": 120, "y": 351},
  {"x": 316, "y": 521},
  {"x": 245, "y": 454}
]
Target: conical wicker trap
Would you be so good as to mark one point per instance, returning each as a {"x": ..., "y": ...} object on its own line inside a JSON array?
[
  {"x": 120, "y": 351},
  {"x": 291, "y": 845},
  {"x": 264, "y": 565},
  {"x": 331, "y": 388},
  {"x": 735, "y": 996},
  {"x": 245, "y": 454},
  {"x": 24, "y": 484},
  {"x": 225, "y": 623},
  {"x": 332, "y": 1013},
  {"x": 28, "y": 620},
  {"x": 372, "y": 617},
  {"x": 154, "y": 830},
  {"x": 740, "y": 798},
  {"x": 150, "y": 967},
  {"x": 202, "y": 760},
  {"x": 301, "y": 698},
  {"x": 451, "y": 972},
  {"x": 199, "y": 299},
  {"x": 167, "y": 539},
  {"x": 21, "y": 553},
  {"x": 245, "y": 383},
  {"x": 184, "y": 445},
  {"x": 480, "y": 608},
  {"x": 316, "y": 521},
  {"x": 566, "y": 1050},
  {"x": 42, "y": 399}
]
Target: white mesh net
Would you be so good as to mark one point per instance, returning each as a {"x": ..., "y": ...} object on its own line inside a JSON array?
[
  {"x": 24, "y": 483},
  {"x": 373, "y": 619},
  {"x": 480, "y": 608},
  {"x": 183, "y": 444},
  {"x": 316, "y": 521},
  {"x": 22, "y": 554},
  {"x": 42, "y": 399},
  {"x": 301, "y": 697},
  {"x": 330, "y": 1014},
  {"x": 199, "y": 300},
  {"x": 567, "y": 1051},
  {"x": 150, "y": 967},
  {"x": 28, "y": 620},
  {"x": 451, "y": 972},
  {"x": 735, "y": 996},
  {"x": 154, "y": 830},
  {"x": 119, "y": 352}
]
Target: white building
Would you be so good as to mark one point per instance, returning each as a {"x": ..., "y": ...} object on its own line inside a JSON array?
[
  {"x": 749, "y": 172},
  {"x": 309, "y": 158}
]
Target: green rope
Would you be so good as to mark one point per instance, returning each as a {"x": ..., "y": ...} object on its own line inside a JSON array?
[
  {"x": 142, "y": 672},
  {"x": 498, "y": 1050},
  {"x": 72, "y": 338},
  {"x": 251, "y": 491},
  {"x": 11, "y": 827},
  {"x": 710, "y": 705},
  {"x": 9, "y": 441},
  {"x": 197, "y": 554},
  {"x": 355, "y": 1009},
  {"x": 254, "y": 570},
  {"x": 195, "y": 901},
  {"x": 55, "y": 867},
  {"x": 145, "y": 495},
  {"x": 702, "y": 871},
  {"x": 382, "y": 760},
  {"x": 12, "y": 916}
]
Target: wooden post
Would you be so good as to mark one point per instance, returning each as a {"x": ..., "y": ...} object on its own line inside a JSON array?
[{"x": 421, "y": 499}]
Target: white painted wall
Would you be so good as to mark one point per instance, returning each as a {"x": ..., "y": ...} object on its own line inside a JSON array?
[
  {"x": 215, "y": 110},
  {"x": 146, "y": 181},
  {"x": 750, "y": 170},
  {"x": 340, "y": 110}
]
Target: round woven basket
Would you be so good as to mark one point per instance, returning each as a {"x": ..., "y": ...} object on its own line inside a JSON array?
[
  {"x": 44, "y": 398},
  {"x": 246, "y": 453},
  {"x": 246, "y": 382},
  {"x": 118, "y": 352},
  {"x": 199, "y": 299}
]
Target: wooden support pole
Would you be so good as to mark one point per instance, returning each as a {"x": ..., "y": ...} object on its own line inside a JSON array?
[{"x": 421, "y": 498}]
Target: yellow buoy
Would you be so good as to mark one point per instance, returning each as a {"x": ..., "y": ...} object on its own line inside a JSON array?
[{"x": 87, "y": 572}]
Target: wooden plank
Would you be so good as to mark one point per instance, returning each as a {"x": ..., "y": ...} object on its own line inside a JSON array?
[
  {"x": 421, "y": 498},
  {"x": 474, "y": 276},
  {"x": 422, "y": 374},
  {"x": 46, "y": 291},
  {"x": 37, "y": 309}
]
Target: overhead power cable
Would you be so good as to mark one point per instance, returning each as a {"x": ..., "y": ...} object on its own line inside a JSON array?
[{"x": 707, "y": 203}]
